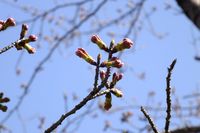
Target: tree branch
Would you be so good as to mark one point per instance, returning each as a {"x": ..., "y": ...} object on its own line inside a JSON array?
[{"x": 191, "y": 8}]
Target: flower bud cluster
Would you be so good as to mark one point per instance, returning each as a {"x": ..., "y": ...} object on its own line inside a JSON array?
[
  {"x": 124, "y": 44},
  {"x": 24, "y": 42},
  {"x": 8, "y": 23},
  {"x": 3, "y": 100},
  {"x": 111, "y": 62},
  {"x": 84, "y": 55}
]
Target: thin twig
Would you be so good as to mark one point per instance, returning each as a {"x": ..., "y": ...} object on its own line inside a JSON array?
[
  {"x": 45, "y": 13},
  {"x": 78, "y": 106},
  {"x": 168, "y": 99},
  {"x": 97, "y": 71},
  {"x": 153, "y": 126},
  {"x": 9, "y": 46},
  {"x": 88, "y": 97}
]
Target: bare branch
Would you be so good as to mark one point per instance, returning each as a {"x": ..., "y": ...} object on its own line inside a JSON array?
[
  {"x": 168, "y": 99},
  {"x": 153, "y": 126}
]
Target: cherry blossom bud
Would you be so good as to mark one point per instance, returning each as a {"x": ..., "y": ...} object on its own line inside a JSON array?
[
  {"x": 29, "y": 48},
  {"x": 3, "y": 108},
  {"x": 84, "y": 55},
  {"x": 97, "y": 40},
  {"x": 116, "y": 92},
  {"x": 115, "y": 62},
  {"x": 4, "y": 100},
  {"x": 108, "y": 101},
  {"x": 10, "y": 22},
  {"x": 116, "y": 77},
  {"x": 1, "y": 24},
  {"x": 102, "y": 74},
  {"x": 5, "y": 24},
  {"x": 24, "y": 30},
  {"x": 125, "y": 44},
  {"x": 32, "y": 38}
]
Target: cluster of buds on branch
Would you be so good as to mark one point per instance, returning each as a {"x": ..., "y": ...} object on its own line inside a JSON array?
[
  {"x": 8, "y": 23},
  {"x": 111, "y": 62},
  {"x": 3, "y": 100},
  {"x": 23, "y": 42}
]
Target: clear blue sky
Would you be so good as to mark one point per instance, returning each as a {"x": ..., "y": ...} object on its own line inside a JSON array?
[{"x": 69, "y": 74}]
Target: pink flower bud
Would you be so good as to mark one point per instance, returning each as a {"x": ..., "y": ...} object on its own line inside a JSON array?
[
  {"x": 81, "y": 53},
  {"x": 97, "y": 40},
  {"x": 4, "y": 100},
  {"x": 32, "y": 38},
  {"x": 102, "y": 74},
  {"x": 118, "y": 63},
  {"x": 84, "y": 55},
  {"x": 114, "y": 62},
  {"x": 125, "y": 44},
  {"x": 116, "y": 77},
  {"x": 10, "y": 22},
  {"x": 1, "y": 24}
]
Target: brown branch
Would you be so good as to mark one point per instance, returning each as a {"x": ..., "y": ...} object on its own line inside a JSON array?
[
  {"x": 89, "y": 96},
  {"x": 153, "y": 126},
  {"x": 168, "y": 99},
  {"x": 13, "y": 44},
  {"x": 191, "y": 8},
  {"x": 8, "y": 47},
  {"x": 193, "y": 129}
]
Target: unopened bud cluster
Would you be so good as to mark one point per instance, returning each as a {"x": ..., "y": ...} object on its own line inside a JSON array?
[
  {"x": 111, "y": 62},
  {"x": 25, "y": 42},
  {"x": 8, "y": 23},
  {"x": 3, "y": 100}
]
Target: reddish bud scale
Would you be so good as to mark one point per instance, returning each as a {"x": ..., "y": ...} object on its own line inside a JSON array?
[
  {"x": 113, "y": 63},
  {"x": 84, "y": 55},
  {"x": 1, "y": 22},
  {"x": 4, "y": 100},
  {"x": 102, "y": 74},
  {"x": 10, "y": 22},
  {"x": 116, "y": 77},
  {"x": 5, "y": 24},
  {"x": 32, "y": 38},
  {"x": 125, "y": 44},
  {"x": 97, "y": 40}
]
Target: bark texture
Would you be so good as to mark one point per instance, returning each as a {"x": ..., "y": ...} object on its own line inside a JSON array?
[
  {"x": 191, "y": 8},
  {"x": 195, "y": 129}
]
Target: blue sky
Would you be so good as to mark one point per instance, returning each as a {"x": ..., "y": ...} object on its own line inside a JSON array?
[{"x": 66, "y": 73}]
